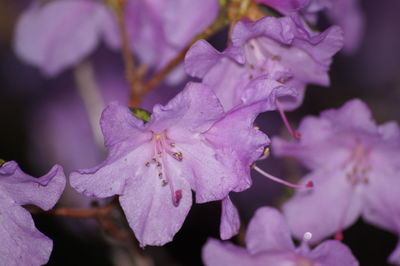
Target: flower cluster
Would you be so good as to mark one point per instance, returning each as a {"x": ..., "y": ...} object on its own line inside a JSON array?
[{"x": 203, "y": 144}]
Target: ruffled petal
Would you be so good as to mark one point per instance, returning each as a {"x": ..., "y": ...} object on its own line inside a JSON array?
[
  {"x": 237, "y": 127},
  {"x": 194, "y": 109},
  {"x": 354, "y": 114},
  {"x": 119, "y": 124},
  {"x": 43, "y": 192},
  {"x": 200, "y": 58}
]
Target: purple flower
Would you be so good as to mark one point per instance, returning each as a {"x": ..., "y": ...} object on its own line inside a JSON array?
[
  {"x": 160, "y": 29},
  {"x": 268, "y": 242},
  {"x": 345, "y": 13},
  {"x": 280, "y": 49},
  {"x": 21, "y": 243},
  {"x": 356, "y": 170},
  {"x": 59, "y": 34},
  {"x": 188, "y": 144}
]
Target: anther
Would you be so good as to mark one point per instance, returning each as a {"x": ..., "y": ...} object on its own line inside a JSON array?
[
  {"x": 158, "y": 164},
  {"x": 172, "y": 144},
  {"x": 147, "y": 164},
  {"x": 251, "y": 66},
  {"x": 154, "y": 160},
  {"x": 282, "y": 80},
  {"x": 276, "y": 58},
  {"x": 338, "y": 236},
  {"x": 262, "y": 69},
  {"x": 178, "y": 156},
  {"x": 164, "y": 182},
  {"x": 251, "y": 76},
  {"x": 178, "y": 197},
  {"x": 265, "y": 154},
  {"x": 160, "y": 174}
]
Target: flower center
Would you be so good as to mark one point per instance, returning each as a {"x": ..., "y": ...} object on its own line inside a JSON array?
[
  {"x": 358, "y": 166},
  {"x": 164, "y": 147}
]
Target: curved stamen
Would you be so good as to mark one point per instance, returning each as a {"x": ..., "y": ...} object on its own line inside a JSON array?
[
  {"x": 161, "y": 147},
  {"x": 309, "y": 184},
  {"x": 293, "y": 133}
]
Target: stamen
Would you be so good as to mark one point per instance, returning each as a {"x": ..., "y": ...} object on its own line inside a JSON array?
[
  {"x": 282, "y": 80},
  {"x": 295, "y": 134},
  {"x": 309, "y": 184},
  {"x": 178, "y": 156},
  {"x": 178, "y": 197},
  {"x": 162, "y": 145},
  {"x": 147, "y": 164},
  {"x": 338, "y": 236},
  {"x": 276, "y": 58},
  {"x": 265, "y": 155}
]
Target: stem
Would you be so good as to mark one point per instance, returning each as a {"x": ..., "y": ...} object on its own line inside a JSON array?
[
  {"x": 131, "y": 76},
  {"x": 92, "y": 99}
]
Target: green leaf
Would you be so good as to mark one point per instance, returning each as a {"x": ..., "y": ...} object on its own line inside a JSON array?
[
  {"x": 141, "y": 114},
  {"x": 2, "y": 162}
]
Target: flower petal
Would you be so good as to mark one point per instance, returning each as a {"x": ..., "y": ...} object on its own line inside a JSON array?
[
  {"x": 118, "y": 124},
  {"x": 21, "y": 243},
  {"x": 43, "y": 192},
  {"x": 64, "y": 32},
  {"x": 109, "y": 178},
  {"x": 237, "y": 127},
  {"x": 148, "y": 204},
  {"x": 216, "y": 253},
  {"x": 268, "y": 232},
  {"x": 194, "y": 109},
  {"x": 230, "y": 222},
  {"x": 330, "y": 206},
  {"x": 332, "y": 253}
]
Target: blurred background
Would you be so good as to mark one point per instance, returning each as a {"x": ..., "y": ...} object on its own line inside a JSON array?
[{"x": 44, "y": 122}]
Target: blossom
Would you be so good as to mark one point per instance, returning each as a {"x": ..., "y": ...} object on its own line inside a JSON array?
[
  {"x": 268, "y": 242},
  {"x": 190, "y": 143},
  {"x": 355, "y": 169},
  {"x": 57, "y": 35},
  {"x": 280, "y": 49},
  {"x": 21, "y": 242}
]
